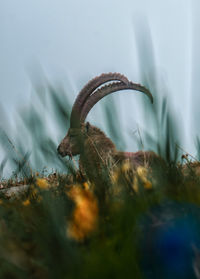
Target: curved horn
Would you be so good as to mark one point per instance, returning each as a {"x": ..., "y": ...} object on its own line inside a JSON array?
[
  {"x": 108, "y": 89},
  {"x": 87, "y": 90}
]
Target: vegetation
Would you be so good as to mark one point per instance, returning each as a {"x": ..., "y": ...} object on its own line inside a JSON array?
[
  {"x": 146, "y": 227},
  {"x": 60, "y": 229}
]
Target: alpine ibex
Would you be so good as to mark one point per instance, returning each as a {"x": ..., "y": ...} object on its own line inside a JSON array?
[{"x": 93, "y": 146}]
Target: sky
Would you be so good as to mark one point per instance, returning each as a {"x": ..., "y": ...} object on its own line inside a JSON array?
[{"x": 71, "y": 41}]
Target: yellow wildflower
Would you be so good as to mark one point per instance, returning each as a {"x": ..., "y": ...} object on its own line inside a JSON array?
[
  {"x": 135, "y": 184},
  {"x": 42, "y": 183},
  {"x": 26, "y": 202},
  {"x": 86, "y": 185},
  {"x": 71, "y": 190},
  {"x": 85, "y": 215},
  {"x": 126, "y": 166},
  {"x": 142, "y": 172},
  {"x": 148, "y": 185}
]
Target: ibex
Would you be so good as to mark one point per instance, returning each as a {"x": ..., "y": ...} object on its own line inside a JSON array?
[{"x": 93, "y": 146}]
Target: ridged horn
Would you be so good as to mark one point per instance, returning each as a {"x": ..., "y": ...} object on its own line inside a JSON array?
[
  {"x": 87, "y": 90},
  {"x": 108, "y": 89}
]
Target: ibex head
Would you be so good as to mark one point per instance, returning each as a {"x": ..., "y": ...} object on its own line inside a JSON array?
[
  {"x": 71, "y": 144},
  {"x": 87, "y": 98}
]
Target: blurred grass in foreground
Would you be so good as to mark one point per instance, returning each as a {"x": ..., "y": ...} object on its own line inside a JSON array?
[{"x": 56, "y": 229}]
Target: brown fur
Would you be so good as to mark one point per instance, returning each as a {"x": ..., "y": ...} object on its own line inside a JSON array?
[{"x": 98, "y": 152}]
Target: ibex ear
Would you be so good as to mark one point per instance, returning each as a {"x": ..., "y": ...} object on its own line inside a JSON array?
[{"x": 87, "y": 127}]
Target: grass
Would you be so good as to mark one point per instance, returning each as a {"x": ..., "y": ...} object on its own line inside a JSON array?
[{"x": 56, "y": 229}]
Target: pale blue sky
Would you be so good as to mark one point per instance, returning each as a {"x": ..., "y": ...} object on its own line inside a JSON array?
[
  {"x": 72, "y": 41},
  {"x": 85, "y": 38}
]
